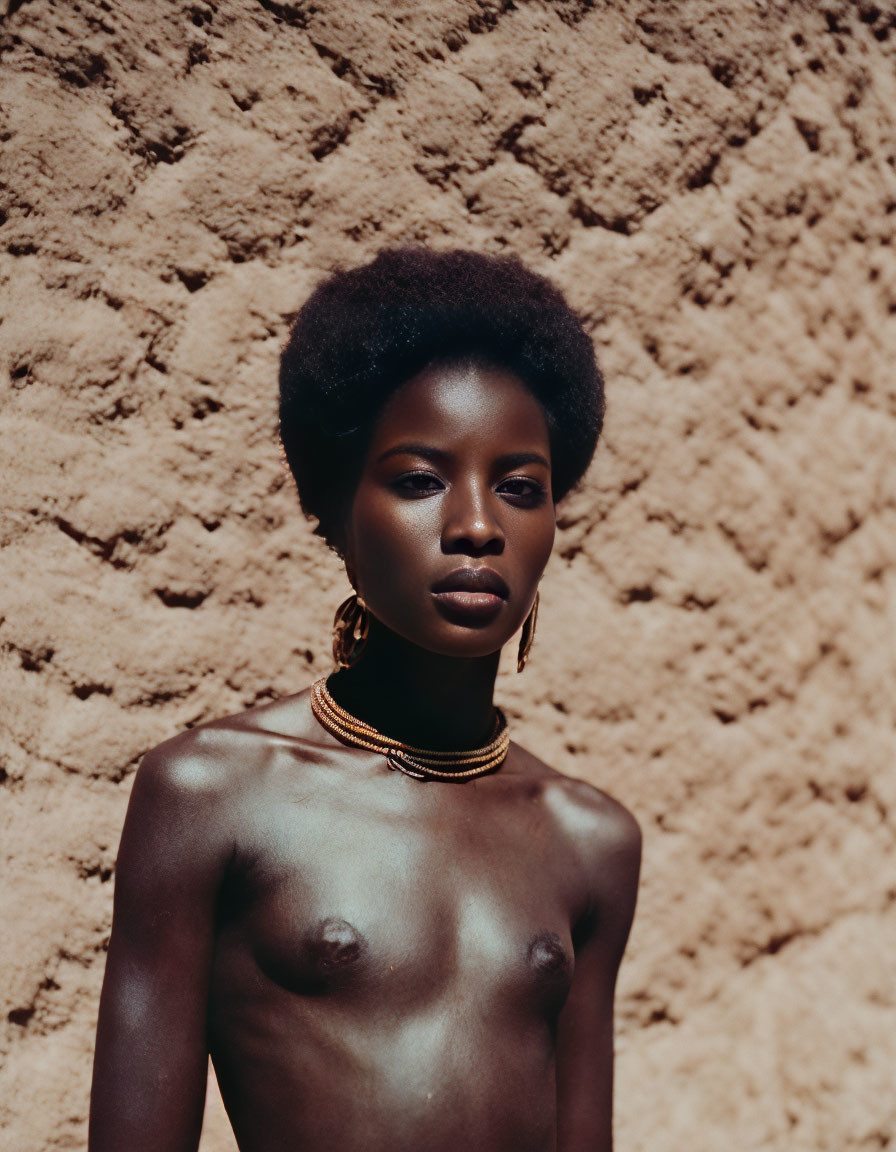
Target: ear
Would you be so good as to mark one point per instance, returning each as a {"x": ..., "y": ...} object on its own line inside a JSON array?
[{"x": 345, "y": 550}]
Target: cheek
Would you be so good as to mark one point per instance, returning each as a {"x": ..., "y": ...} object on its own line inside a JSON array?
[
  {"x": 541, "y": 542},
  {"x": 391, "y": 541}
]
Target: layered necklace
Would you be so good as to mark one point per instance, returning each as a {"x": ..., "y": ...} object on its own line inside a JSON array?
[{"x": 420, "y": 763}]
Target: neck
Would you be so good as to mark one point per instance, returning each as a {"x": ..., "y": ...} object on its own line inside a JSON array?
[{"x": 419, "y": 697}]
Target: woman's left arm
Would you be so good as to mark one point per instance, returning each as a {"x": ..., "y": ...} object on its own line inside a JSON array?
[{"x": 585, "y": 1033}]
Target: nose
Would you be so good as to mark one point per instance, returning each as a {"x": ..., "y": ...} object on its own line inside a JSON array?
[{"x": 471, "y": 525}]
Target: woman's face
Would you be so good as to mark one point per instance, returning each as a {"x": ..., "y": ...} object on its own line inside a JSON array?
[{"x": 452, "y": 522}]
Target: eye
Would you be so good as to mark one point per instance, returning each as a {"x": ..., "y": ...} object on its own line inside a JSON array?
[
  {"x": 524, "y": 491},
  {"x": 418, "y": 484}
]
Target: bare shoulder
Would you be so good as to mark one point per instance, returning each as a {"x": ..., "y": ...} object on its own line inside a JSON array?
[
  {"x": 596, "y": 818},
  {"x": 604, "y": 841},
  {"x": 193, "y": 794},
  {"x": 180, "y": 805},
  {"x": 204, "y": 762},
  {"x": 602, "y": 832},
  {"x": 221, "y": 757}
]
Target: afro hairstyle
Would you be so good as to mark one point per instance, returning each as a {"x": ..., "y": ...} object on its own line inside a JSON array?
[{"x": 365, "y": 331}]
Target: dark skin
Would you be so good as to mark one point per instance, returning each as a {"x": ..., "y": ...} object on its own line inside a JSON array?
[{"x": 376, "y": 962}]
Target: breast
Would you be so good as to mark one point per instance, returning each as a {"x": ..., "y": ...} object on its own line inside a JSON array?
[
  {"x": 550, "y": 965},
  {"x": 321, "y": 957},
  {"x": 548, "y": 958}
]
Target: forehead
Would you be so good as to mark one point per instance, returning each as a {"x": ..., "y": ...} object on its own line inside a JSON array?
[{"x": 464, "y": 404}]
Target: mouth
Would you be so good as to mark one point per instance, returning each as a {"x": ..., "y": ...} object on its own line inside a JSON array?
[{"x": 474, "y": 593}]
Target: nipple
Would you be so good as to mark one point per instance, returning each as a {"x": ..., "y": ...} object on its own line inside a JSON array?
[
  {"x": 548, "y": 956},
  {"x": 338, "y": 944}
]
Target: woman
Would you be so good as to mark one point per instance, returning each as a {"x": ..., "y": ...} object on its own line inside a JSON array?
[{"x": 392, "y": 927}]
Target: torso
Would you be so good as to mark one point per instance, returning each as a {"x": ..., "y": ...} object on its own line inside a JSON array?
[{"x": 391, "y": 955}]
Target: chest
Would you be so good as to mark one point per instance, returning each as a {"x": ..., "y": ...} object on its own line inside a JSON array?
[{"x": 404, "y": 907}]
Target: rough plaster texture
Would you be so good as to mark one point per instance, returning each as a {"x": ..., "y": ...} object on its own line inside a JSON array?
[{"x": 713, "y": 184}]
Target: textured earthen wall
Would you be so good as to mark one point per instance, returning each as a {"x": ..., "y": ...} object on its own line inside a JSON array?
[{"x": 714, "y": 186}]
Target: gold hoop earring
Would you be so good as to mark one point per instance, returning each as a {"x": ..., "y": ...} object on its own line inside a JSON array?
[
  {"x": 527, "y": 636},
  {"x": 350, "y": 627}
]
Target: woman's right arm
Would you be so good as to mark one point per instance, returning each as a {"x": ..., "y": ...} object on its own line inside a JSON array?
[{"x": 150, "y": 1066}]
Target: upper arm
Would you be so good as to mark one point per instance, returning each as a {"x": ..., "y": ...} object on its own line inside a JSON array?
[
  {"x": 585, "y": 1034},
  {"x": 151, "y": 1052}
]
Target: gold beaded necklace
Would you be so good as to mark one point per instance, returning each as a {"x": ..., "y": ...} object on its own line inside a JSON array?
[{"x": 419, "y": 763}]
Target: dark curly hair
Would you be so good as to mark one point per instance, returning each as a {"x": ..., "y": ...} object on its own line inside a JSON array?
[{"x": 366, "y": 331}]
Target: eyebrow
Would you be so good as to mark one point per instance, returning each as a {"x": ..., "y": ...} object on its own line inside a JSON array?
[
  {"x": 510, "y": 460},
  {"x": 425, "y": 450}
]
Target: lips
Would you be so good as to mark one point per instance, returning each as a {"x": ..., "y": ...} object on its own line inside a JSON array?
[
  {"x": 484, "y": 580},
  {"x": 471, "y": 593}
]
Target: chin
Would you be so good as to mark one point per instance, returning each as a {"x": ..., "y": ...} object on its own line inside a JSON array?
[
  {"x": 471, "y": 643},
  {"x": 469, "y": 652},
  {"x": 472, "y": 638}
]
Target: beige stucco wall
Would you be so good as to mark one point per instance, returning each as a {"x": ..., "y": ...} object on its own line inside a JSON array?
[{"x": 713, "y": 185}]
